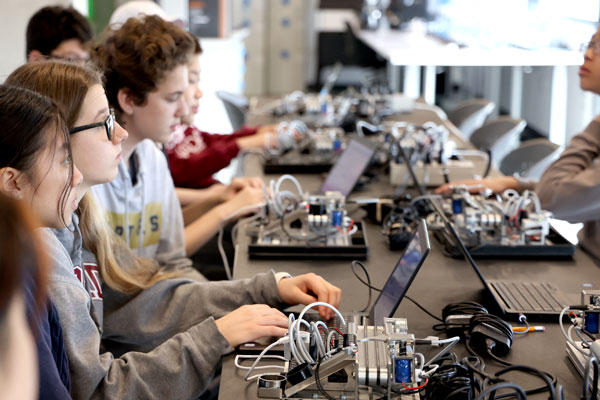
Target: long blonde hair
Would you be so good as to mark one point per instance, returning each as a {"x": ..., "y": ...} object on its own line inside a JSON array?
[{"x": 68, "y": 84}]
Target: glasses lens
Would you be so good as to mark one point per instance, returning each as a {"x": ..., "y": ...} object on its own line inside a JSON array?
[{"x": 110, "y": 125}]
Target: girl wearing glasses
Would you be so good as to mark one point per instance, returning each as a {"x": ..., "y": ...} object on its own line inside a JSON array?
[
  {"x": 570, "y": 186},
  {"x": 167, "y": 334}
]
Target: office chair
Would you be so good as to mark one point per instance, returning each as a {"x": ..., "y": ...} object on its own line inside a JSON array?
[
  {"x": 236, "y": 106},
  {"x": 531, "y": 159},
  {"x": 498, "y": 135},
  {"x": 470, "y": 115}
]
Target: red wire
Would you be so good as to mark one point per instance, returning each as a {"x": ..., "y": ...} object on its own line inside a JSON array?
[
  {"x": 338, "y": 331},
  {"x": 415, "y": 388}
]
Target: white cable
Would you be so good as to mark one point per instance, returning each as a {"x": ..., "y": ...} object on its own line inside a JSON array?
[
  {"x": 228, "y": 271},
  {"x": 425, "y": 197},
  {"x": 295, "y": 354},
  {"x": 289, "y": 177},
  {"x": 252, "y": 357},
  {"x": 421, "y": 358},
  {"x": 444, "y": 341},
  {"x": 238, "y": 365},
  {"x": 300, "y": 345},
  {"x": 451, "y": 344},
  {"x": 567, "y": 337},
  {"x": 317, "y": 337},
  {"x": 223, "y": 254},
  {"x": 323, "y": 324},
  {"x": 269, "y": 347}
]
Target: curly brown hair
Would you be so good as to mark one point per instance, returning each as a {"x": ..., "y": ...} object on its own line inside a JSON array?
[{"x": 137, "y": 56}]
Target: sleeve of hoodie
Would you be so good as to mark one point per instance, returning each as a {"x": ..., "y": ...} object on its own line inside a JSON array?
[
  {"x": 570, "y": 187},
  {"x": 146, "y": 319},
  {"x": 180, "y": 367},
  {"x": 170, "y": 252},
  {"x": 196, "y": 170}
]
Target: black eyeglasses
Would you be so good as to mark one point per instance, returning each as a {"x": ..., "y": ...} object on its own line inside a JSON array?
[{"x": 108, "y": 124}]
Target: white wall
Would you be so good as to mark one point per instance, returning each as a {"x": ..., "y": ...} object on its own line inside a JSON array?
[{"x": 13, "y": 23}]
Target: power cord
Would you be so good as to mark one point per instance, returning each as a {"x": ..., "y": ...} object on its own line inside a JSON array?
[
  {"x": 318, "y": 381},
  {"x": 368, "y": 284},
  {"x": 592, "y": 366}
]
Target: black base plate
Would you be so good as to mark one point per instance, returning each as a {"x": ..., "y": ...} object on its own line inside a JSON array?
[
  {"x": 358, "y": 250},
  {"x": 557, "y": 247}
]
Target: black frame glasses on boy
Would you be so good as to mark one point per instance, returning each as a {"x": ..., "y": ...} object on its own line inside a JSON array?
[{"x": 108, "y": 124}]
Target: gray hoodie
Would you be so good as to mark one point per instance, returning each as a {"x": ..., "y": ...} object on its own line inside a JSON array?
[
  {"x": 171, "y": 324},
  {"x": 570, "y": 187},
  {"x": 154, "y": 227}
]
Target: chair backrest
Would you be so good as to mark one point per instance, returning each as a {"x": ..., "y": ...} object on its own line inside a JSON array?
[
  {"x": 499, "y": 135},
  {"x": 235, "y": 105},
  {"x": 470, "y": 115},
  {"x": 531, "y": 159}
]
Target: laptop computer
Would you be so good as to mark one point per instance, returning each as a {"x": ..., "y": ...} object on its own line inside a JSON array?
[
  {"x": 398, "y": 282},
  {"x": 349, "y": 167},
  {"x": 514, "y": 298},
  {"x": 402, "y": 276}
]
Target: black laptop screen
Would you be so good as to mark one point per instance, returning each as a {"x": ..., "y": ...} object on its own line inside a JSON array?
[
  {"x": 349, "y": 167},
  {"x": 404, "y": 272}
]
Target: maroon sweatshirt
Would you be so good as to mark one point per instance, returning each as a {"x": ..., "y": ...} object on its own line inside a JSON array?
[{"x": 194, "y": 156}]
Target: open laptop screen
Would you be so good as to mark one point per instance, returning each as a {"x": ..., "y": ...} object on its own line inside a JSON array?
[
  {"x": 348, "y": 169},
  {"x": 401, "y": 277}
]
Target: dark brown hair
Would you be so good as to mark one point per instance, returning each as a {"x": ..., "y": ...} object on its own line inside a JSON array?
[
  {"x": 51, "y": 26},
  {"x": 21, "y": 254},
  {"x": 138, "y": 55},
  {"x": 29, "y": 123}
]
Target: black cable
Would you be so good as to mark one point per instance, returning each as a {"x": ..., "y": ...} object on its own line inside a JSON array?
[
  {"x": 488, "y": 167},
  {"x": 423, "y": 309},
  {"x": 549, "y": 380},
  {"x": 589, "y": 335},
  {"x": 318, "y": 382},
  {"x": 592, "y": 362},
  {"x": 503, "y": 385},
  {"x": 368, "y": 283},
  {"x": 498, "y": 359}
]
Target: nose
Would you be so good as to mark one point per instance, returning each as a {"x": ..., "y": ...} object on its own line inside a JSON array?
[
  {"x": 199, "y": 93},
  {"x": 588, "y": 54},
  {"x": 183, "y": 107},
  {"x": 120, "y": 134},
  {"x": 77, "y": 177}
]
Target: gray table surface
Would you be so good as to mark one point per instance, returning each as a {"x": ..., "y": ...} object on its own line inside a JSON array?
[{"x": 440, "y": 281}]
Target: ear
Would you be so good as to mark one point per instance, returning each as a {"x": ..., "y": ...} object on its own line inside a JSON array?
[
  {"x": 125, "y": 101},
  {"x": 11, "y": 182},
  {"x": 35, "y": 55}
]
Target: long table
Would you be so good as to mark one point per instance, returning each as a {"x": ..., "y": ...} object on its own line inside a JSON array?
[{"x": 440, "y": 281}]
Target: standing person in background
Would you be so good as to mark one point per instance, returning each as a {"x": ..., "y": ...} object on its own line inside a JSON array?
[{"x": 58, "y": 32}]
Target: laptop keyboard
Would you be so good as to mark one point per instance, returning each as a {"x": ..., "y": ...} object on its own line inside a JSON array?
[{"x": 533, "y": 297}]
